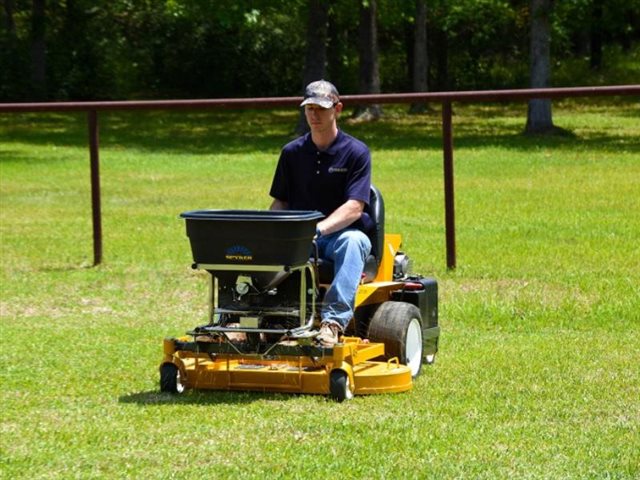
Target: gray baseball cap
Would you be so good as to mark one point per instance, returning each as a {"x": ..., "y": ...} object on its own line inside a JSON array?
[{"x": 321, "y": 93}]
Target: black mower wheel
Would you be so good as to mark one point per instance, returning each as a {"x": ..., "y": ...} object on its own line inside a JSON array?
[
  {"x": 171, "y": 379},
  {"x": 339, "y": 386},
  {"x": 399, "y": 326}
]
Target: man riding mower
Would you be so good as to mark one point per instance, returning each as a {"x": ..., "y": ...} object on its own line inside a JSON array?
[{"x": 265, "y": 298}]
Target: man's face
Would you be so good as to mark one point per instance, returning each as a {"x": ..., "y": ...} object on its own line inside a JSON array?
[{"x": 321, "y": 119}]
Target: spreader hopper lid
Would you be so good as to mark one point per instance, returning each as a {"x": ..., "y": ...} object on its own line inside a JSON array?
[{"x": 253, "y": 215}]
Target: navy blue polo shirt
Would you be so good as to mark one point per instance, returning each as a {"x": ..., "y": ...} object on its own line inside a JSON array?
[{"x": 309, "y": 179}]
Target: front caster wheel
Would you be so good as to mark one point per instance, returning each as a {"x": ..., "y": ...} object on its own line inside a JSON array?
[
  {"x": 339, "y": 386},
  {"x": 171, "y": 379}
]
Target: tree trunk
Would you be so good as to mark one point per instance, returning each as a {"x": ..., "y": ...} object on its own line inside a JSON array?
[
  {"x": 595, "y": 37},
  {"x": 11, "y": 73},
  {"x": 369, "y": 71},
  {"x": 316, "y": 51},
  {"x": 627, "y": 35},
  {"x": 38, "y": 50},
  {"x": 337, "y": 42},
  {"x": 9, "y": 22},
  {"x": 420, "y": 56},
  {"x": 539, "y": 112},
  {"x": 442, "y": 60}
]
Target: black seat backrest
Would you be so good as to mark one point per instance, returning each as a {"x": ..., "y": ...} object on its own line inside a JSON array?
[{"x": 375, "y": 209}]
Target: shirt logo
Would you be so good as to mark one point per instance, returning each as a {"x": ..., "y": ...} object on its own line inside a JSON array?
[{"x": 338, "y": 170}]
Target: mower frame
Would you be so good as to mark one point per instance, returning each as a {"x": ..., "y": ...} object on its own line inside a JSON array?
[{"x": 211, "y": 356}]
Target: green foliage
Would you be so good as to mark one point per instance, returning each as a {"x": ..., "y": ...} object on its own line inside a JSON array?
[
  {"x": 154, "y": 48},
  {"x": 574, "y": 20},
  {"x": 172, "y": 48},
  {"x": 478, "y": 55},
  {"x": 540, "y": 323}
]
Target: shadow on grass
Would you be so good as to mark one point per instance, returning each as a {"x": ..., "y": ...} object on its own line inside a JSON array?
[
  {"x": 198, "y": 133},
  {"x": 247, "y": 131},
  {"x": 203, "y": 397},
  {"x": 65, "y": 267}
]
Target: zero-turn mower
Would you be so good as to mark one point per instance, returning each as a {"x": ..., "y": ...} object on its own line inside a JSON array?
[{"x": 265, "y": 298}]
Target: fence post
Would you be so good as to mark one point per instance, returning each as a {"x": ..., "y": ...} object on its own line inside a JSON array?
[
  {"x": 95, "y": 186},
  {"x": 449, "y": 207}
]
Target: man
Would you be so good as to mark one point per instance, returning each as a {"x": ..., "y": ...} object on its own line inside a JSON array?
[{"x": 329, "y": 171}]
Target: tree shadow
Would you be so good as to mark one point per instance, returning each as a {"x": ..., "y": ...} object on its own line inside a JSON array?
[
  {"x": 380, "y": 137},
  {"x": 251, "y": 131},
  {"x": 157, "y": 131}
]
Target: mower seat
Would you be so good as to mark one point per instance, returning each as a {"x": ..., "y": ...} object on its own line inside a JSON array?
[{"x": 375, "y": 210}]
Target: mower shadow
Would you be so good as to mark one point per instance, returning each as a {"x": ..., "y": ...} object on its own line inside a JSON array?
[{"x": 203, "y": 397}]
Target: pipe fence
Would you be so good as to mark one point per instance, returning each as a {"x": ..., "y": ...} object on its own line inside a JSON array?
[{"x": 444, "y": 98}]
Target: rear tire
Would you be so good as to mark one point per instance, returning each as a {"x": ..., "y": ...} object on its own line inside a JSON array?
[
  {"x": 339, "y": 386},
  {"x": 171, "y": 379},
  {"x": 399, "y": 326}
]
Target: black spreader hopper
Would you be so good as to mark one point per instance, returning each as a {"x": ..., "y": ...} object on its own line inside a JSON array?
[{"x": 260, "y": 237}]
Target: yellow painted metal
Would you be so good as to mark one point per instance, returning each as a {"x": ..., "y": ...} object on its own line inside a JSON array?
[
  {"x": 376, "y": 292},
  {"x": 249, "y": 322},
  {"x": 169, "y": 346},
  {"x": 380, "y": 289},
  {"x": 239, "y": 268},
  {"x": 295, "y": 374},
  {"x": 392, "y": 244}
]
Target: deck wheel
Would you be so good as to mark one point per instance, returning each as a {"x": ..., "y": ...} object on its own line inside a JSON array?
[
  {"x": 339, "y": 386},
  {"x": 171, "y": 379}
]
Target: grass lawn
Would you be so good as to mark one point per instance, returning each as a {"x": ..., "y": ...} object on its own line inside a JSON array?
[{"x": 538, "y": 374}]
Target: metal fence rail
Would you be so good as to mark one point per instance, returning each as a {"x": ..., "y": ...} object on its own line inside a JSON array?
[{"x": 445, "y": 98}]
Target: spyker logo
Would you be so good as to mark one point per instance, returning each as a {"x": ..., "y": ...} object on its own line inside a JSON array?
[
  {"x": 238, "y": 253},
  {"x": 338, "y": 170}
]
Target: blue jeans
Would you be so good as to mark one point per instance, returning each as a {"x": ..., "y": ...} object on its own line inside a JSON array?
[{"x": 347, "y": 249}]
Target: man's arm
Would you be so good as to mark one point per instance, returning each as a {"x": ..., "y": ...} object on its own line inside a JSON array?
[
  {"x": 278, "y": 205},
  {"x": 342, "y": 217}
]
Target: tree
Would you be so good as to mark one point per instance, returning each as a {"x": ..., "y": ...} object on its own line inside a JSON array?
[
  {"x": 12, "y": 58},
  {"x": 316, "y": 50},
  {"x": 369, "y": 70},
  {"x": 420, "y": 55},
  {"x": 124, "y": 49},
  {"x": 595, "y": 40},
  {"x": 539, "y": 112},
  {"x": 316, "y": 47},
  {"x": 38, "y": 50},
  {"x": 9, "y": 22}
]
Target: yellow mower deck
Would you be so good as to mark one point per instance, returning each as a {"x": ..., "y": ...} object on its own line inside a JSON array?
[{"x": 200, "y": 369}]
